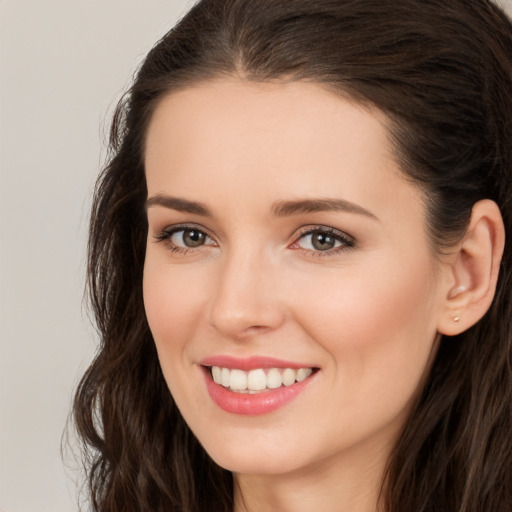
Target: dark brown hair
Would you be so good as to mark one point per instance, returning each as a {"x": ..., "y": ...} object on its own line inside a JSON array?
[{"x": 441, "y": 71}]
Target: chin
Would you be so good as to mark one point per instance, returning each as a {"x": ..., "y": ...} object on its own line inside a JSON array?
[
  {"x": 255, "y": 463},
  {"x": 248, "y": 452}
]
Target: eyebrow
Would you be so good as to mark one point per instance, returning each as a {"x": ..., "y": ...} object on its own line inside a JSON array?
[
  {"x": 279, "y": 209},
  {"x": 179, "y": 204},
  {"x": 300, "y": 206}
]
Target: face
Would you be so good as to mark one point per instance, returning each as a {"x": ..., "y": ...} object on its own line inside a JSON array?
[{"x": 288, "y": 283}]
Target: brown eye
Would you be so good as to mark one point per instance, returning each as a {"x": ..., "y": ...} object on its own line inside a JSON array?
[
  {"x": 188, "y": 238},
  {"x": 324, "y": 240},
  {"x": 319, "y": 241},
  {"x": 181, "y": 239}
]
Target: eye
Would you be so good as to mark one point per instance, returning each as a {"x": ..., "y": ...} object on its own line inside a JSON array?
[
  {"x": 323, "y": 240},
  {"x": 183, "y": 238},
  {"x": 188, "y": 238}
]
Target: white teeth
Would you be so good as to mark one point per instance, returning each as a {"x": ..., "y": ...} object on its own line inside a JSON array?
[
  {"x": 238, "y": 379},
  {"x": 224, "y": 377},
  {"x": 256, "y": 380},
  {"x": 259, "y": 379},
  {"x": 217, "y": 374},
  {"x": 303, "y": 373},
  {"x": 289, "y": 376},
  {"x": 274, "y": 379}
]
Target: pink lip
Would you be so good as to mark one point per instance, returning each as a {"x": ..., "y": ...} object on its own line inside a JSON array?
[
  {"x": 250, "y": 363},
  {"x": 252, "y": 404}
]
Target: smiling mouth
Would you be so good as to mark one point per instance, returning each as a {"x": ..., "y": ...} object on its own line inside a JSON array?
[{"x": 258, "y": 380}]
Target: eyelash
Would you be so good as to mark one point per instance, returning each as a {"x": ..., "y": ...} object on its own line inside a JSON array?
[
  {"x": 166, "y": 235},
  {"x": 346, "y": 241}
]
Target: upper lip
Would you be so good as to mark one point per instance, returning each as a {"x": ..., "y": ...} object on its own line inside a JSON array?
[{"x": 250, "y": 363}]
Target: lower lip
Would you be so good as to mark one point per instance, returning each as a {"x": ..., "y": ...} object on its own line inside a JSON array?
[{"x": 252, "y": 404}]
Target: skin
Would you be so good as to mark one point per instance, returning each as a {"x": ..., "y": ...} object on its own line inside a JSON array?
[{"x": 365, "y": 315}]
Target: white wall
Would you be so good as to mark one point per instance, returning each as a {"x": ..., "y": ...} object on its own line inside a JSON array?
[
  {"x": 507, "y": 5},
  {"x": 63, "y": 63}
]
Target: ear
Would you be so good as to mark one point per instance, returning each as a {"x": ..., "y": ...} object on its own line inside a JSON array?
[{"x": 473, "y": 270}]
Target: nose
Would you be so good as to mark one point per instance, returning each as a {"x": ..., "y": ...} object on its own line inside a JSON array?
[{"x": 245, "y": 301}]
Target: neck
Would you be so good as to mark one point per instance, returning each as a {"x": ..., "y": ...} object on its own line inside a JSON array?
[{"x": 340, "y": 484}]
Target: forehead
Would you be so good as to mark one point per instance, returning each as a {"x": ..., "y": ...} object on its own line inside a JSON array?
[
  {"x": 262, "y": 121},
  {"x": 296, "y": 139}
]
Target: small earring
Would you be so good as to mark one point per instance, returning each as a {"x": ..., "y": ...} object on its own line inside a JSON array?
[{"x": 456, "y": 319}]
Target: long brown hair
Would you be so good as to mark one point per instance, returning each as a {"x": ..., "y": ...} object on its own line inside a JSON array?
[{"x": 441, "y": 71}]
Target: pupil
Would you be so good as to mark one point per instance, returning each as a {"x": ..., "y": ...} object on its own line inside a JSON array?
[
  {"x": 323, "y": 242},
  {"x": 193, "y": 238}
]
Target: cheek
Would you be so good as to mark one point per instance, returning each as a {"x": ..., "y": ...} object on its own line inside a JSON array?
[
  {"x": 172, "y": 304},
  {"x": 378, "y": 326},
  {"x": 349, "y": 301}
]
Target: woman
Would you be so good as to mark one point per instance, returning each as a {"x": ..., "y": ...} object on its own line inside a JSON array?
[{"x": 298, "y": 264}]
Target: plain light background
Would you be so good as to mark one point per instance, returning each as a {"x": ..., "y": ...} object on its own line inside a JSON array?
[{"x": 63, "y": 65}]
